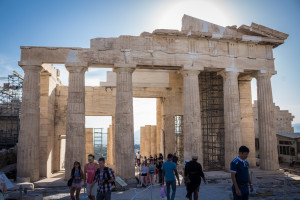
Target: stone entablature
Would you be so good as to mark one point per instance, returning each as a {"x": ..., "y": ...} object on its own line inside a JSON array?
[{"x": 233, "y": 53}]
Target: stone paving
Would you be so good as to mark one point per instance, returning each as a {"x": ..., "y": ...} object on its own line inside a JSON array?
[{"x": 267, "y": 185}]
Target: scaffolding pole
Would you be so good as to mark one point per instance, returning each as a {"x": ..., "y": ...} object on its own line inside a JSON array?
[{"x": 10, "y": 108}]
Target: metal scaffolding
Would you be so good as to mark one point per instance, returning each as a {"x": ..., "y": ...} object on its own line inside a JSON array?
[
  {"x": 212, "y": 119},
  {"x": 99, "y": 148},
  {"x": 179, "y": 137},
  {"x": 10, "y": 106}
]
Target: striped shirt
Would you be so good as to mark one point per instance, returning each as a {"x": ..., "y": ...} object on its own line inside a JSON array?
[{"x": 101, "y": 176}]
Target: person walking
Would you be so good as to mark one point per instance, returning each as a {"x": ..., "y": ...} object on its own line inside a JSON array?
[
  {"x": 192, "y": 175},
  {"x": 77, "y": 175},
  {"x": 175, "y": 158},
  {"x": 152, "y": 170},
  {"x": 138, "y": 158},
  {"x": 159, "y": 169},
  {"x": 241, "y": 180},
  {"x": 104, "y": 177},
  {"x": 169, "y": 168},
  {"x": 160, "y": 156},
  {"x": 2, "y": 187},
  {"x": 89, "y": 174},
  {"x": 144, "y": 173}
]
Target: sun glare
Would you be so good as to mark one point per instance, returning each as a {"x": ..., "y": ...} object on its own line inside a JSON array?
[{"x": 169, "y": 15}]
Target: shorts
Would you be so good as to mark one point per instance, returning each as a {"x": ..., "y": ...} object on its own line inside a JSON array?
[
  {"x": 94, "y": 190},
  {"x": 76, "y": 185},
  {"x": 144, "y": 174}
]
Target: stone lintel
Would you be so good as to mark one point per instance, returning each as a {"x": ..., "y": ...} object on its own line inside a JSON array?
[{"x": 192, "y": 68}]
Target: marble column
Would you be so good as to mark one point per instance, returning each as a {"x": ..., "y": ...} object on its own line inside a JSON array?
[
  {"x": 153, "y": 140},
  {"x": 266, "y": 123},
  {"x": 75, "y": 124},
  {"x": 247, "y": 121},
  {"x": 142, "y": 141},
  {"x": 28, "y": 142},
  {"x": 158, "y": 125},
  {"x": 124, "y": 136},
  {"x": 192, "y": 115},
  {"x": 232, "y": 116},
  {"x": 113, "y": 150},
  {"x": 147, "y": 141}
]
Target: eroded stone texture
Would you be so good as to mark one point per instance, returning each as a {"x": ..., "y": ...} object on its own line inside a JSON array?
[
  {"x": 124, "y": 138},
  {"x": 232, "y": 116},
  {"x": 142, "y": 141},
  {"x": 75, "y": 125},
  {"x": 247, "y": 122},
  {"x": 266, "y": 125},
  {"x": 192, "y": 118},
  {"x": 158, "y": 126},
  {"x": 89, "y": 144},
  {"x": 147, "y": 142},
  {"x": 28, "y": 146}
]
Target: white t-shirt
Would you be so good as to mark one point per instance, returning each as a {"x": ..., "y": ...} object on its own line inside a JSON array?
[{"x": 138, "y": 155}]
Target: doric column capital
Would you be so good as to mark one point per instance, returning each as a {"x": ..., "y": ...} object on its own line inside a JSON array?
[
  {"x": 34, "y": 67},
  {"x": 190, "y": 72},
  {"x": 245, "y": 77},
  {"x": 119, "y": 67},
  {"x": 229, "y": 72},
  {"x": 264, "y": 73},
  {"x": 76, "y": 67}
]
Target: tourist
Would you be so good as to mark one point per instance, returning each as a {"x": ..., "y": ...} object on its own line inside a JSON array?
[
  {"x": 175, "y": 158},
  {"x": 161, "y": 156},
  {"x": 159, "y": 169},
  {"x": 155, "y": 159},
  {"x": 239, "y": 169},
  {"x": 77, "y": 175},
  {"x": 104, "y": 178},
  {"x": 169, "y": 168},
  {"x": 138, "y": 158},
  {"x": 2, "y": 187},
  {"x": 144, "y": 174},
  {"x": 145, "y": 160},
  {"x": 89, "y": 174},
  {"x": 192, "y": 175},
  {"x": 152, "y": 171}
]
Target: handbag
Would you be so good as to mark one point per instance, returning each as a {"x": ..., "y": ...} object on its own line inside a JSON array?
[
  {"x": 70, "y": 181},
  {"x": 187, "y": 180},
  {"x": 162, "y": 191}
]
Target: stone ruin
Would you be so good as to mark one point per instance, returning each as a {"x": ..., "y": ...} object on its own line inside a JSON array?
[{"x": 202, "y": 74}]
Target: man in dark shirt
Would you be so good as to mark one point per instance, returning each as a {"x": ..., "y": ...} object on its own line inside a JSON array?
[
  {"x": 239, "y": 169},
  {"x": 175, "y": 158},
  {"x": 159, "y": 168},
  {"x": 193, "y": 172}
]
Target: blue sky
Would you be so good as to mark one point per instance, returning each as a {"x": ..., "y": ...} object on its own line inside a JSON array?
[{"x": 72, "y": 23}]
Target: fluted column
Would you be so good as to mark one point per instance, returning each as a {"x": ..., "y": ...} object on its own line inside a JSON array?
[
  {"x": 232, "y": 116},
  {"x": 158, "y": 125},
  {"x": 153, "y": 140},
  {"x": 113, "y": 146},
  {"x": 75, "y": 125},
  {"x": 124, "y": 136},
  {"x": 247, "y": 120},
  {"x": 28, "y": 143},
  {"x": 142, "y": 141},
  {"x": 109, "y": 145},
  {"x": 192, "y": 116},
  {"x": 266, "y": 123},
  {"x": 147, "y": 140}
]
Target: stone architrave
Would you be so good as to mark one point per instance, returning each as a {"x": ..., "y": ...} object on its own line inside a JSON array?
[
  {"x": 247, "y": 122},
  {"x": 28, "y": 145},
  {"x": 153, "y": 141},
  {"x": 124, "y": 136},
  {"x": 266, "y": 122},
  {"x": 147, "y": 141},
  {"x": 232, "y": 115},
  {"x": 75, "y": 123},
  {"x": 192, "y": 115}
]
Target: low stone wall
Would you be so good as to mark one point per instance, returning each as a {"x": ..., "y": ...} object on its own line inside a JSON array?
[{"x": 8, "y": 156}]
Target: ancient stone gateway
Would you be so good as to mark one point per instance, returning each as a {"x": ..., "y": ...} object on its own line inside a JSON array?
[{"x": 201, "y": 73}]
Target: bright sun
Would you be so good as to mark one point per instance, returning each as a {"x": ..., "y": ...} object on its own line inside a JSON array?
[{"x": 170, "y": 14}]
